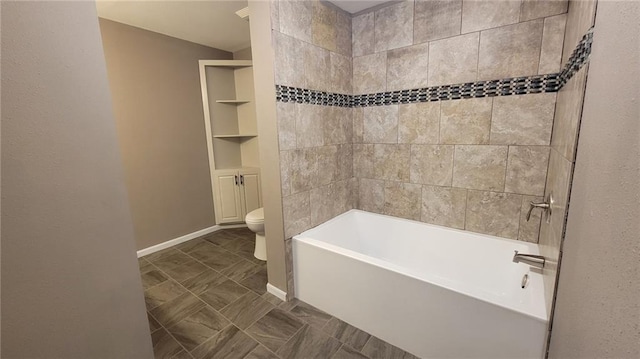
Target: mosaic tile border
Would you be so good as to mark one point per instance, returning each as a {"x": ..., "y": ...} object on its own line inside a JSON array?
[{"x": 503, "y": 87}]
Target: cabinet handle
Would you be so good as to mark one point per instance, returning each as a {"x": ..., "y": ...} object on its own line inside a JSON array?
[
  {"x": 236, "y": 178},
  {"x": 242, "y": 180}
]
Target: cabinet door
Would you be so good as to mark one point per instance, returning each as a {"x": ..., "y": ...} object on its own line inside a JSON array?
[
  {"x": 251, "y": 193},
  {"x": 229, "y": 206}
]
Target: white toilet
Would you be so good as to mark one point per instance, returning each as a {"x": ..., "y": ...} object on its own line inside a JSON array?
[{"x": 255, "y": 222}]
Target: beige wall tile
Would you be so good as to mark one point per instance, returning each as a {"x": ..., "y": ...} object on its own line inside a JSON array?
[
  {"x": 402, "y": 200},
  {"x": 275, "y": 14},
  {"x": 371, "y": 195},
  {"x": 338, "y": 126},
  {"x": 552, "y": 39},
  {"x": 345, "y": 161},
  {"x": 286, "y": 112},
  {"x": 327, "y": 165},
  {"x": 358, "y": 124},
  {"x": 343, "y": 34},
  {"x": 533, "y": 9},
  {"x": 527, "y": 170},
  {"x": 465, "y": 121},
  {"x": 394, "y": 26},
  {"x": 480, "y": 167},
  {"x": 316, "y": 63},
  {"x": 329, "y": 201},
  {"x": 432, "y": 164},
  {"x": 341, "y": 73},
  {"x": 323, "y": 206},
  {"x": 392, "y": 162},
  {"x": 324, "y": 30},
  {"x": 568, "y": 114},
  {"x": 444, "y": 206},
  {"x": 289, "y": 61},
  {"x": 297, "y": 214},
  {"x": 363, "y": 161},
  {"x": 303, "y": 166},
  {"x": 523, "y": 119},
  {"x": 579, "y": 19},
  {"x": 369, "y": 73},
  {"x": 510, "y": 51},
  {"x": 285, "y": 172},
  {"x": 453, "y": 60},
  {"x": 296, "y": 19},
  {"x": 353, "y": 188},
  {"x": 493, "y": 213},
  {"x": 407, "y": 67},
  {"x": 363, "y": 34},
  {"x": 529, "y": 230},
  {"x": 558, "y": 181},
  {"x": 436, "y": 19},
  {"x": 381, "y": 124},
  {"x": 309, "y": 125},
  {"x": 419, "y": 123},
  {"x": 486, "y": 14}
]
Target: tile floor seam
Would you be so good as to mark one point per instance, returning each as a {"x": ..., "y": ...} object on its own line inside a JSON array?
[
  {"x": 162, "y": 327},
  {"x": 260, "y": 343},
  {"x": 211, "y": 337},
  {"x": 336, "y": 353},
  {"x": 293, "y": 336},
  {"x": 206, "y": 305}
]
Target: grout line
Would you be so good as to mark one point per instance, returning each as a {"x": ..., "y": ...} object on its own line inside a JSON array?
[
  {"x": 365, "y": 343},
  {"x": 165, "y": 327},
  {"x": 336, "y": 353}
]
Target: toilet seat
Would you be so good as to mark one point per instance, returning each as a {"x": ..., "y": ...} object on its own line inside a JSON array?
[{"x": 255, "y": 217}]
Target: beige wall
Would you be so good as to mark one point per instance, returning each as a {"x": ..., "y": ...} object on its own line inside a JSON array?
[
  {"x": 262, "y": 52},
  {"x": 598, "y": 300},
  {"x": 244, "y": 54},
  {"x": 70, "y": 282},
  {"x": 157, "y": 103}
]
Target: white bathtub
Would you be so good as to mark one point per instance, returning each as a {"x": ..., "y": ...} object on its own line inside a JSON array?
[{"x": 432, "y": 291}]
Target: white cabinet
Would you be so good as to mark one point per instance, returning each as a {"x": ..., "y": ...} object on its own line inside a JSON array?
[
  {"x": 237, "y": 192},
  {"x": 232, "y": 143}
]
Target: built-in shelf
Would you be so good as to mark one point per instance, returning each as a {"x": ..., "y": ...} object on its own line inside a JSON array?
[
  {"x": 234, "y": 64},
  {"x": 236, "y": 102},
  {"x": 236, "y": 136}
]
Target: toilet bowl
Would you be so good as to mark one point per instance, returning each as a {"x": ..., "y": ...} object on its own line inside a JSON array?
[{"x": 255, "y": 222}]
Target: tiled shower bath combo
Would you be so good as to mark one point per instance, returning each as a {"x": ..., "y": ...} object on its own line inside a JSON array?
[{"x": 452, "y": 113}]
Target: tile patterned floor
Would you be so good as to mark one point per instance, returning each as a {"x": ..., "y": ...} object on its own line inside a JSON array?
[{"x": 206, "y": 298}]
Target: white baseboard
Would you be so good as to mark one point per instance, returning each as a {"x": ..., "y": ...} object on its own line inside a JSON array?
[
  {"x": 186, "y": 237},
  {"x": 277, "y": 292}
]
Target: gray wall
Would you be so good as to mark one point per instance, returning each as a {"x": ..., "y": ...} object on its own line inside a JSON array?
[
  {"x": 70, "y": 283},
  {"x": 157, "y": 103},
  {"x": 598, "y": 299}
]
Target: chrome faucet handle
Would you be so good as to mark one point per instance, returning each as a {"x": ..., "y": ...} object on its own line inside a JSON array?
[
  {"x": 530, "y": 259},
  {"x": 533, "y": 205},
  {"x": 546, "y": 206}
]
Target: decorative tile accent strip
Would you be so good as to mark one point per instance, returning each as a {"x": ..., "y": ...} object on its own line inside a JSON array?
[
  {"x": 313, "y": 97},
  {"x": 578, "y": 58},
  {"x": 504, "y": 87}
]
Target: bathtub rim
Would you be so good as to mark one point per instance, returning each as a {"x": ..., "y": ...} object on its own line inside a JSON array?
[{"x": 304, "y": 238}]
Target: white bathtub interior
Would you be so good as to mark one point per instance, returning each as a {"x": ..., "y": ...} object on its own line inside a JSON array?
[{"x": 433, "y": 291}]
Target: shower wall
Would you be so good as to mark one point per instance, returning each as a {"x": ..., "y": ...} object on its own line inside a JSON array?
[
  {"x": 568, "y": 112},
  {"x": 437, "y": 111},
  {"x": 472, "y": 163},
  {"x": 312, "y": 45}
]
